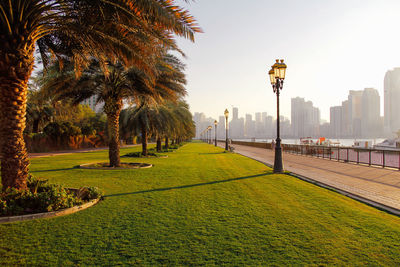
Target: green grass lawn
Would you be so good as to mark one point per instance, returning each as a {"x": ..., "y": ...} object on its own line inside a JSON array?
[{"x": 200, "y": 206}]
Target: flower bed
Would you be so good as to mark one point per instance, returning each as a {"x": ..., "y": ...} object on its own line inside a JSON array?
[
  {"x": 42, "y": 196},
  {"x": 106, "y": 166}
]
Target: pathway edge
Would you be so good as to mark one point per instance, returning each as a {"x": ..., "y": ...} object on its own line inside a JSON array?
[{"x": 361, "y": 199}]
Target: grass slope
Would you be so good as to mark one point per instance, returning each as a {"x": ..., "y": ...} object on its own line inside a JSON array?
[{"x": 200, "y": 206}]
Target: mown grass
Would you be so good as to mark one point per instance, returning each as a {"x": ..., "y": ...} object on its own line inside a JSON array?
[{"x": 200, "y": 206}]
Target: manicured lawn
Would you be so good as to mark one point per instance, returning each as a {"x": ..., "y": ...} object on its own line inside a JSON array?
[{"x": 200, "y": 206}]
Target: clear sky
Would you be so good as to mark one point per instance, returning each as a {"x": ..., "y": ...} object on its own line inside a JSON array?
[{"x": 330, "y": 47}]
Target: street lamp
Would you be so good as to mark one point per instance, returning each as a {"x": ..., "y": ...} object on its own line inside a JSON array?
[
  {"x": 209, "y": 133},
  {"x": 215, "y": 130},
  {"x": 277, "y": 75},
  {"x": 226, "y": 113}
]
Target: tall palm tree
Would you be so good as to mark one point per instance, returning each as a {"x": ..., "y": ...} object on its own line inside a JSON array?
[{"x": 107, "y": 29}]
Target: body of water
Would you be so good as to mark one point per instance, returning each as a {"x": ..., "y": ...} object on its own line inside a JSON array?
[{"x": 343, "y": 142}]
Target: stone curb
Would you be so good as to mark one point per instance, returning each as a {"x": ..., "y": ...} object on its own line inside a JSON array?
[
  {"x": 151, "y": 157},
  {"x": 87, "y": 166},
  {"x": 51, "y": 214}
]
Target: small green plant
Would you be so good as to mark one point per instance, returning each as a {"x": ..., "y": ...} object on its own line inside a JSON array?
[
  {"x": 41, "y": 197},
  {"x": 89, "y": 193},
  {"x": 150, "y": 153}
]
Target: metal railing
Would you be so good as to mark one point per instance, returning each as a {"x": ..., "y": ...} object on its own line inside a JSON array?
[{"x": 367, "y": 156}]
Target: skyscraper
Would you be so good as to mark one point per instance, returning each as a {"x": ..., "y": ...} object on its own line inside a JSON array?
[
  {"x": 249, "y": 127},
  {"x": 370, "y": 121},
  {"x": 346, "y": 122},
  {"x": 392, "y": 101},
  {"x": 336, "y": 121},
  {"x": 221, "y": 127},
  {"x": 235, "y": 113},
  {"x": 355, "y": 112},
  {"x": 236, "y": 126},
  {"x": 305, "y": 118}
]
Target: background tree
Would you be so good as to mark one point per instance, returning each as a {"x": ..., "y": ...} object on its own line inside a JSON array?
[{"x": 38, "y": 111}]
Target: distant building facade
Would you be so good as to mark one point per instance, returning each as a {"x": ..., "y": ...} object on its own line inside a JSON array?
[
  {"x": 392, "y": 101},
  {"x": 305, "y": 118},
  {"x": 92, "y": 103}
]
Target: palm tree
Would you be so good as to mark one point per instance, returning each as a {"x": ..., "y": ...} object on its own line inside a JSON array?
[
  {"x": 184, "y": 127},
  {"x": 111, "y": 86},
  {"x": 114, "y": 84},
  {"x": 112, "y": 29},
  {"x": 141, "y": 122},
  {"x": 160, "y": 120},
  {"x": 169, "y": 87}
]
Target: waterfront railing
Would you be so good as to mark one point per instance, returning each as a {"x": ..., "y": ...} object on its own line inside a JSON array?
[{"x": 365, "y": 156}]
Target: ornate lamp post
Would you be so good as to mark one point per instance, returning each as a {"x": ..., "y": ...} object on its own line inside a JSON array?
[
  {"x": 277, "y": 75},
  {"x": 215, "y": 130},
  {"x": 226, "y": 113}
]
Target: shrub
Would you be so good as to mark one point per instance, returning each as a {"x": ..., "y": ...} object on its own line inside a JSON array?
[
  {"x": 88, "y": 193},
  {"x": 139, "y": 154},
  {"x": 41, "y": 197}
]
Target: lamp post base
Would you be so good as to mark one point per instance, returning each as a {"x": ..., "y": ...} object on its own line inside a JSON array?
[{"x": 278, "y": 163}]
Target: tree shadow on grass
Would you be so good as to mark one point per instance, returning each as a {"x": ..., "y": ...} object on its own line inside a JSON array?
[
  {"x": 212, "y": 153},
  {"x": 190, "y": 185},
  {"x": 56, "y": 170}
]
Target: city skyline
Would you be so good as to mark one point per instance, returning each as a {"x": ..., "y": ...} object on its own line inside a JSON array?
[
  {"x": 358, "y": 116},
  {"x": 228, "y": 64}
]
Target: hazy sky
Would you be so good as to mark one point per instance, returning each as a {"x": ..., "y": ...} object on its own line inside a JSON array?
[{"x": 330, "y": 47}]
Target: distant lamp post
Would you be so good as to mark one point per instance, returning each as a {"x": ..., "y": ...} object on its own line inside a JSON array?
[
  {"x": 226, "y": 113},
  {"x": 277, "y": 75},
  {"x": 215, "y": 130},
  {"x": 209, "y": 134}
]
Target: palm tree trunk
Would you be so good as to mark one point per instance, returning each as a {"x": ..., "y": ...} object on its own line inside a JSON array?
[
  {"x": 112, "y": 108},
  {"x": 166, "y": 142},
  {"x": 159, "y": 144},
  {"x": 16, "y": 65},
  {"x": 144, "y": 141}
]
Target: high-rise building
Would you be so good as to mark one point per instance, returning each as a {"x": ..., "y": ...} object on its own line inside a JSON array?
[
  {"x": 335, "y": 121},
  {"x": 355, "y": 112},
  {"x": 269, "y": 127},
  {"x": 346, "y": 122},
  {"x": 305, "y": 118},
  {"x": 392, "y": 101},
  {"x": 221, "y": 127},
  {"x": 370, "y": 121},
  {"x": 235, "y": 113},
  {"x": 249, "y": 127},
  {"x": 236, "y": 126}
]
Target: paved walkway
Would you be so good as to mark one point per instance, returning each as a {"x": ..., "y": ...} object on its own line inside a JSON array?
[{"x": 376, "y": 186}]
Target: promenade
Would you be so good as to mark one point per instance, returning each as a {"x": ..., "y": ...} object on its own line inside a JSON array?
[{"x": 376, "y": 186}]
